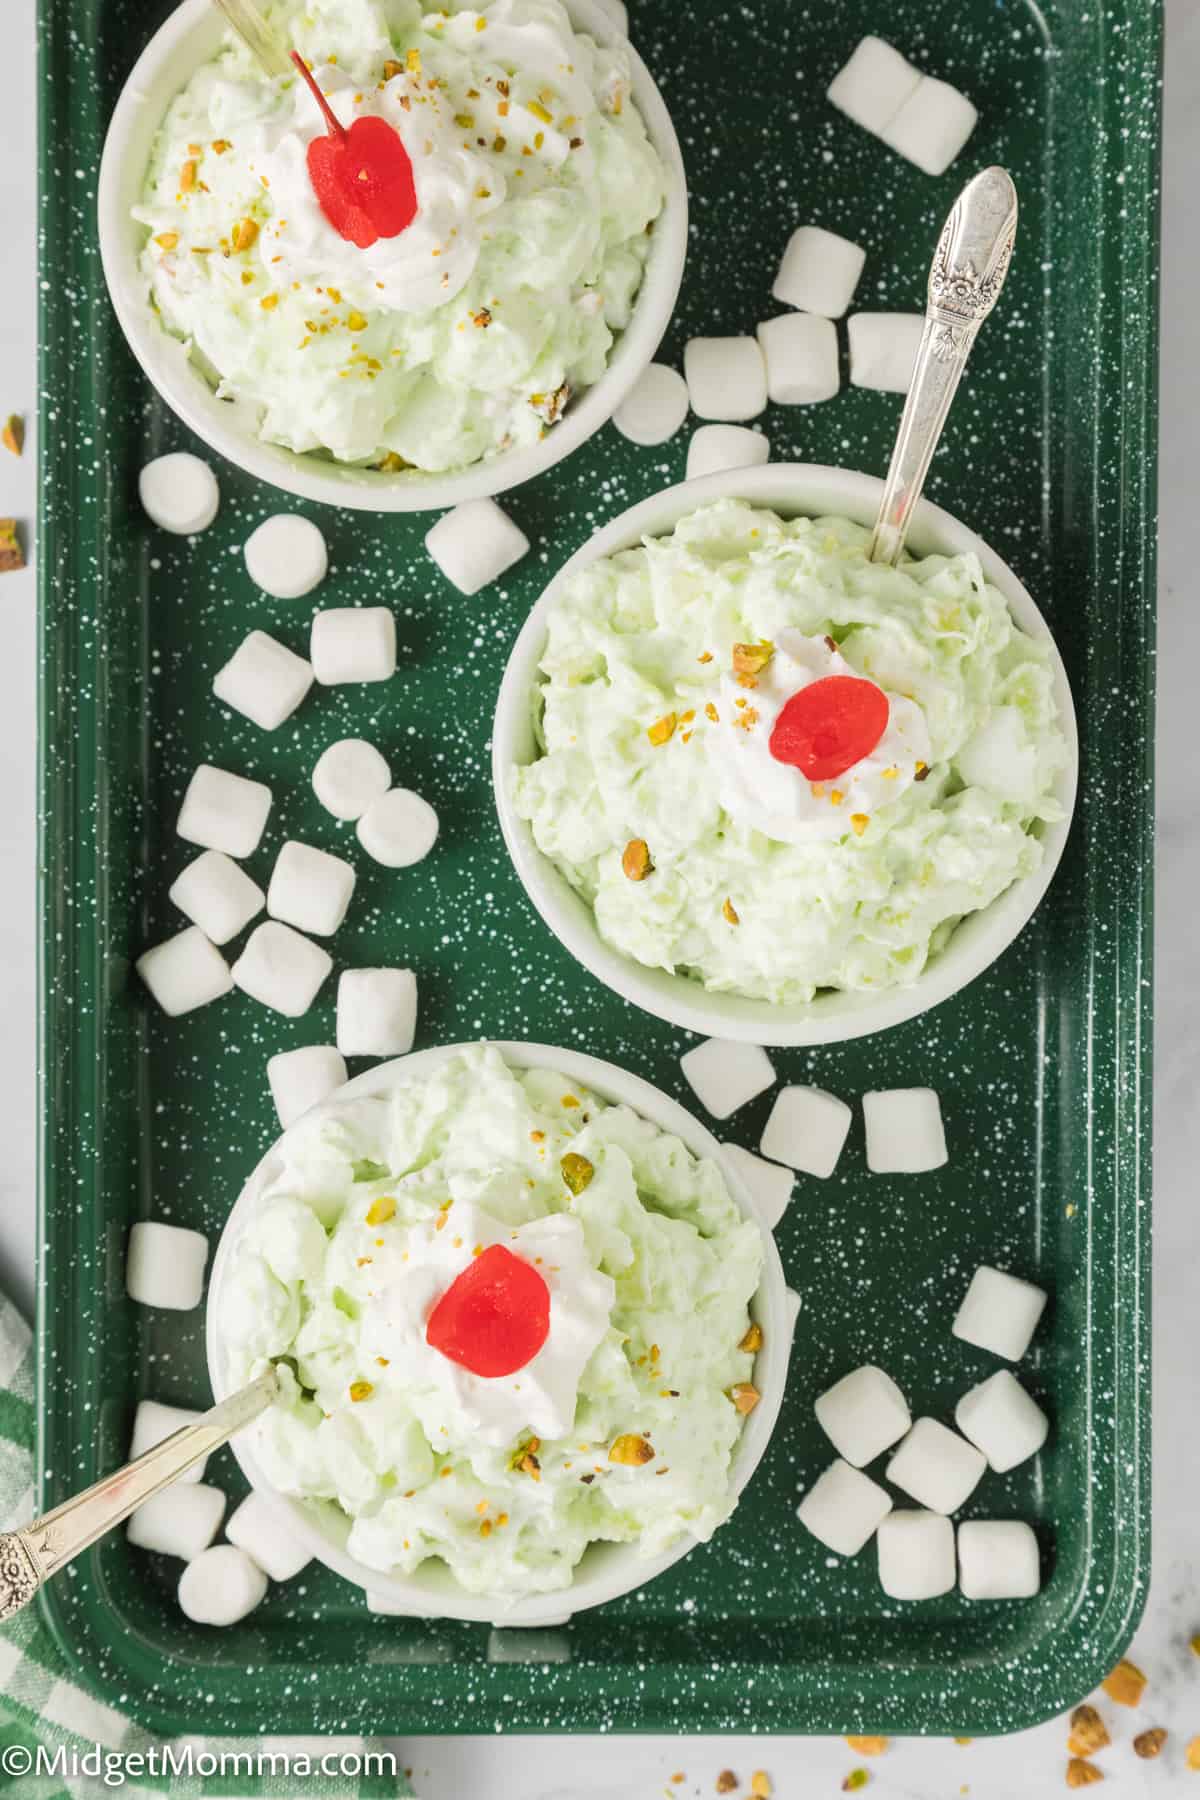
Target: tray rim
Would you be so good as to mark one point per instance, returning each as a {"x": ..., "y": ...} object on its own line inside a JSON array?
[{"x": 1108, "y": 1633}]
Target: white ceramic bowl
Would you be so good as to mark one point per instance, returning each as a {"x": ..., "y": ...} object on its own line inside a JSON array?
[
  {"x": 606, "y": 1570},
  {"x": 190, "y": 37},
  {"x": 789, "y": 489}
]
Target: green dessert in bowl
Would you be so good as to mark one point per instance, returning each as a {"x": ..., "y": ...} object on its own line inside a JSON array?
[
  {"x": 519, "y": 1325},
  {"x": 734, "y": 753}
]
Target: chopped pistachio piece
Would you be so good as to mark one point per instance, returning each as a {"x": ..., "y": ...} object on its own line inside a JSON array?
[
  {"x": 1126, "y": 1684},
  {"x": 1089, "y": 1733},
  {"x": 577, "y": 1171},
  {"x": 635, "y": 860},
  {"x": 631, "y": 1450},
  {"x": 752, "y": 659}
]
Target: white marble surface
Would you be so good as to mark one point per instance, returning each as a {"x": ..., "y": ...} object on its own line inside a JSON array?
[{"x": 566, "y": 1768}]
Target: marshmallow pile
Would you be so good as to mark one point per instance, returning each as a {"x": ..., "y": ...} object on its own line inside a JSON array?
[
  {"x": 220, "y": 1583},
  {"x": 309, "y": 890},
  {"x": 1000, "y": 1426},
  {"x": 793, "y": 360},
  {"x": 807, "y": 1128}
]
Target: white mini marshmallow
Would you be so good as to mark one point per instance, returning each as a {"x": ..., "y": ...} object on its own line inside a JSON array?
[
  {"x": 807, "y": 1130},
  {"x": 998, "y": 1560},
  {"x": 179, "y": 493},
  {"x": 348, "y": 776},
  {"x": 281, "y": 969},
  {"x": 883, "y": 349},
  {"x": 164, "y": 1265},
  {"x": 475, "y": 544},
  {"x": 655, "y": 406},
  {"x": 376, "y": 1012},
  {"x": 225, "y": 812},
  {"x": 301, "y": 1079},
  {"x": 863, "y": 1415},
  {"x": 916, "y": 1555},
  {"x": 398, "y": 829},
  {"x": 221, "y": 1586},
  {"x": 263, "y": 680},
  {"x": 726, "y": 378},
  {"x": 844, "y": 1509},
  {"x": 801, "y": 354},
  {"x": 905, "y": 1134},
  {"x": 725, "y": 1075},
  {"x": 819, "y": 272},
  {"x": 181, "y": 1521},
  {"x": 217, "y": 896},
  {"x": 353, "y": 643},
  {"x": 999, "y": 1313},
  {"x": 286, "y": 556},
  {"x": 259, "y": 1527},
  {"x": 936, "y": 1466},
  {"x": 310, "y": 888},
  {"x": 873, "y": 86},
  {"x": 152, "y": 1422},
  {"x": 932, "y": 125},
  {"x": 770, "y": 1186},
  {"x": 185, "y": 972},
  {"x": 715, "y": 447},
  {"x": 1002, "y": 1420}
]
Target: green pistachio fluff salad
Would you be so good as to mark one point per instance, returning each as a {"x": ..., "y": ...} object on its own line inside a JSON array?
[
  {"x": 658, "y": 795},
  {"x": 468, "y": 331},
  {"x": 623, "y": 1424}
]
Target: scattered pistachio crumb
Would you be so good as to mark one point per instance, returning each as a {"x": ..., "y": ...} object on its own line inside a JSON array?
[
  {"x": 1089, "y": 1733},
  {"x": 1126, "y": 1684}
]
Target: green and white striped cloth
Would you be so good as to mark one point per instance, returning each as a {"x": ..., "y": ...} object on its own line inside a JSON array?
[{"x": 41, "y": 1706}]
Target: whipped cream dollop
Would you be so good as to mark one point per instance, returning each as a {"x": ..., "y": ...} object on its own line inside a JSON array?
[
  {"x": 448, "y": 1399},
  {"x": 428, "y": 263},
  {"x": 774, "y": 797},
  {"x": 469, "y": 331}
]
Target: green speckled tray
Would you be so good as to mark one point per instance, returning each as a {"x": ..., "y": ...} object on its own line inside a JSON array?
[{"x": 1043, "y": 1065}]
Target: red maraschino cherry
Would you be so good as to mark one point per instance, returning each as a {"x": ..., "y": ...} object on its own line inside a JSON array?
[
  {"x": 362, "y": 177},
  {"x": 829, "y": 726},
  {"x": 495, "y": 1317}
]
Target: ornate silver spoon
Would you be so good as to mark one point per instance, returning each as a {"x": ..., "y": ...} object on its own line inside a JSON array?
[
  {"x": 28, "y": 1557},
  {"x": 969, "y": 266},
  {"x": 249, "y": 23}
]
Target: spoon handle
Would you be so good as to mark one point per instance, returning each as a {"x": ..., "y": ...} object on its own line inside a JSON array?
[
  {"x": 250, "y": 25},
  {"x": 27, "y": 1557},
  {"x": 969, "y": 266}
]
